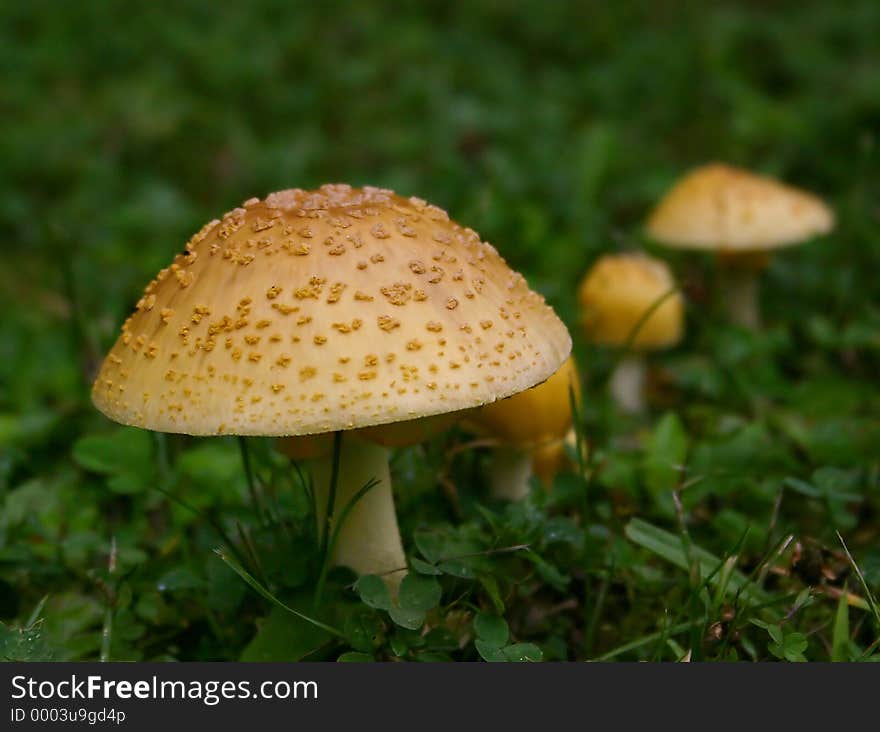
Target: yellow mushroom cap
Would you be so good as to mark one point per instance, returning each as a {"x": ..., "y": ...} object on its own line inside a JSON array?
[
  {"x": 616, "y": 294},
  {"x": 533, "y": 417},
  {"x": 315, "y": 311},
  {"x": 718, "y": 207}
]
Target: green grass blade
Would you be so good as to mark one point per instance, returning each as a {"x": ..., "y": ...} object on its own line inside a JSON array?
[
  {"x": 37, "y": 611},
  {"x": 840, "y": 634},
  {"x": 267, "y": 595},
  {"x": 872, "y": 601},
  {"x": 668, "y": 546},
  {"x": 644, "y": 641}
]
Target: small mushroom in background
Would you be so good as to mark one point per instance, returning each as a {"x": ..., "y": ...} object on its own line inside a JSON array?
[
  {"x": 630, "y": 301},
  {"x": 530, "y": 429},
  {"x": 551, "y": 458},
  {"x": 742, "y": 217},
  {"x": 344, "y": 315}
]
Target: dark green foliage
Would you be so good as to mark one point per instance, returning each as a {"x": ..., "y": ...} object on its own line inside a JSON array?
[{"x": 706, "y": 529}]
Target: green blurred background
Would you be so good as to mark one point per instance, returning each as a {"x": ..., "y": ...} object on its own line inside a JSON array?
[{"x": 549, "y": 127}]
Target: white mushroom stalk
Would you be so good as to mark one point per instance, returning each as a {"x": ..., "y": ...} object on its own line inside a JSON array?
[
  {"x": 511, "y": 473},
  {"x": 740, "y": 296},
  {"x": 627, "y": 383},
  {"x": 362, "y": 520},
  {"x": 513, "y": 467}
]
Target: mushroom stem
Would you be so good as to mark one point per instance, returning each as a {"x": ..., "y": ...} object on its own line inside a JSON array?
[
  {"x": 740, "y": 292},
  {"x": 511, "y": 471},
  {"x": 628, "y": 383},
  {"x": 369, "y": 539}
]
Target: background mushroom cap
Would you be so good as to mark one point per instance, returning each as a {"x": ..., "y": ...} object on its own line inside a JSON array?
[
  {"x": 617, "y": 292},
  {"x": 533, "y": 417},
  {"x": 719, "y": 207},
  {"x": 315, "y": 311}
]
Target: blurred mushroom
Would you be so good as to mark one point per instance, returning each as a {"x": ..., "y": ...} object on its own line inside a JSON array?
[
  {"x": 630, "y": 301},
  {"x": 742, "y": 217},
  {"x": 551, "y": 458},
  {"x": 530, "y": 428},
  {"x": 341, "y": 310}
]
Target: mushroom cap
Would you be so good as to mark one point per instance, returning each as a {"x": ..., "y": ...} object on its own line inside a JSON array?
[
  {"x": 616, "y": 294},
  {"x": 325, "y": 310},
  {"x": 533, "y": 417},
  {"x": 719, "y": 207}
]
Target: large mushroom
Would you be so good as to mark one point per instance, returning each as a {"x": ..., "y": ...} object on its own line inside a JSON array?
[
  {"x": 630, "y": 301},
  {"x": 339, "y": 310},
  {"x": 530, "y": 429},
  {"x": 742, "y": 217}
]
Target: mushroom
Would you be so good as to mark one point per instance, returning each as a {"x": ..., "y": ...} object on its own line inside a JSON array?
[
  {"x": 530, "y": 428},
  {"x": 549, "y": 459},
  {"x": 741, "y": 217},
  {"x": 342, "y": 310},
  {"x": 630, "y": 301}
]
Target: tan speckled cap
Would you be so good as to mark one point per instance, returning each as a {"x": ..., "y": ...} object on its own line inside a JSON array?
[
  {"x": 316, "y": 311},
  {"x": 718, "y": 207},
  {"x": 618, "y": 292}
]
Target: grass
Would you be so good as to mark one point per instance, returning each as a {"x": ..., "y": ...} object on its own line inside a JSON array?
[{"x": 738, "y": 520}]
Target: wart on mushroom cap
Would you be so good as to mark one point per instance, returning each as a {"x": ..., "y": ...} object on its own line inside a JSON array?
[
  {"x": 616, "y": 299},
  {"x": 742, "y": 217},
  {"x": 317, "y": 311}
]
